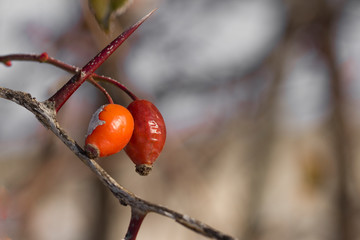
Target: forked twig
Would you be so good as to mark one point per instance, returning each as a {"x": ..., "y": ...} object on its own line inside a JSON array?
[{"x": 45, "y": 112}]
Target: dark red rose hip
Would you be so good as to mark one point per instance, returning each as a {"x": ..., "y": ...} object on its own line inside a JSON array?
[{"x": 149, "y": 135}]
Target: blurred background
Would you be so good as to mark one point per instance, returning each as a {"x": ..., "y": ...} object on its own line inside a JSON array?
[{"x": 260, "y": 98}]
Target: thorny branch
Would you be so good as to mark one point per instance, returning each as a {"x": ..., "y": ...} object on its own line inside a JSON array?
[{"x": 46, "y": 114}]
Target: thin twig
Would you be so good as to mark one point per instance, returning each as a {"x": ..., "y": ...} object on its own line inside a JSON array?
[
  {"x": 37, "y": 58},
  {"x": 64, "y": 66},
  {"x": 103, "y": 90},
  {"x": 46, "y": 114}
]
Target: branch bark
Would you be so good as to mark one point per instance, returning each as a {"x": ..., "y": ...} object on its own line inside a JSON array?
[{"x": 45, "y": 112}]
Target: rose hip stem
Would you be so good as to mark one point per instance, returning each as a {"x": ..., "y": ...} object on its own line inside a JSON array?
[
  {"x": 103, "y": 90},
  {"x": 64, "y": 93},
  {"x": 117, "y": 84}
]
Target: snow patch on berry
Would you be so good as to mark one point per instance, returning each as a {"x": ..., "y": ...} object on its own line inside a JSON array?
[{"x": 95, "y": 121}]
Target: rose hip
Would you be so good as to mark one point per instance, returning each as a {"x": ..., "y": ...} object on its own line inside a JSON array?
[
  {"x": 148, "y": 137},
  {"x": 110, "y": 129}
]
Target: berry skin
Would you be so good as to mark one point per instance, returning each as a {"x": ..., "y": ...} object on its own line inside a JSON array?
[
  {"x": 110, "y": 129},
  {"x": 148, "y": 137}
]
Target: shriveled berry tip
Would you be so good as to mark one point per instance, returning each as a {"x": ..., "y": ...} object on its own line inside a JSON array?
[
  {"x": 143, "y": 169},
  {"x": 92, "y": 151}
]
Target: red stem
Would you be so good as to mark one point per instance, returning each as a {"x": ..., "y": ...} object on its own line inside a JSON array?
[
  {"x": 38, "y": 58},
  {"x": 103, "y": 90},
  {"x": 137, "y": 217},
  {"x": 65, "y": 67},
  {"x": 117, "y": 84},
  {"x": 63, "y": 94}
]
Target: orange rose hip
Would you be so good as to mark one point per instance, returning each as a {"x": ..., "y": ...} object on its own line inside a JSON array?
[{"x": 110, "y": 129}]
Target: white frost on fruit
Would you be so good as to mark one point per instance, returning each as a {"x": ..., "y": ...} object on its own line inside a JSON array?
[{"x": 95, "y": 121}]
